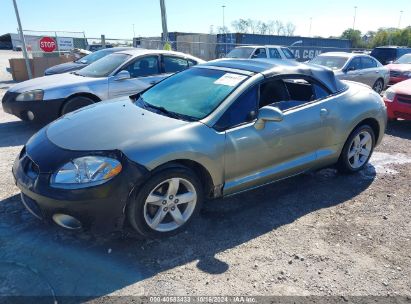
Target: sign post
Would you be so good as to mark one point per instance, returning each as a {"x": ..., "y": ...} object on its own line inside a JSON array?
[{"x": 26, "y": 57}]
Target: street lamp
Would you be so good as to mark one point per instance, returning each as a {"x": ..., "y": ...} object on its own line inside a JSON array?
[
  {"x": 355, "y": 16},
  {"x": 311, "y": 23},
  {"x": 223, "y": 6},
  {"x": 399, "y": 22}
]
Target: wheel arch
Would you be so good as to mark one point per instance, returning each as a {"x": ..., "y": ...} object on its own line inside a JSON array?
[
  {"x": 373, "y": 123},
  {"x": 92, "y": 96},
  {"x": 198, "y": 169}
]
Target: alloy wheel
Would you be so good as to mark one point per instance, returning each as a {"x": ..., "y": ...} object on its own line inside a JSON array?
[
  {"x": 378, "y": 86},
  {"x": 360, "y": 149},
  {"x": 170, "y": 204}
]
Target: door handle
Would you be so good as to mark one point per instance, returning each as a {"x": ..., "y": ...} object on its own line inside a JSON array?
[
  {"x": 377, "y": 72},
  {"x": 323, "y": 112}
]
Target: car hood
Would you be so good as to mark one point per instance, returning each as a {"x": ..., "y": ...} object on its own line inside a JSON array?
[
  {"x": 65, "y": 67},
  {"x": 403, "y": 87},
  {"x": 399, "y": 67},
  {"x": 50, "y": 82},
  {"x": 116, "y": 124}
]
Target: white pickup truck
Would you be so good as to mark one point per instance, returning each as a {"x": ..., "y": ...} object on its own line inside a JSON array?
[{"x": 263, "y": 51}]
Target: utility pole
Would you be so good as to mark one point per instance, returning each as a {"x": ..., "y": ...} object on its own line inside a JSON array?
[
  {"x": 399, "y": 22},
  {"x": 134, "y": 32},
  {"x": 164, "y": 21},
  {"x": 23, "y": 42},
  {"x": 355, "y": 17},
  {"x": 311, "y": 23},
  {"x": 223, "y": 6}
]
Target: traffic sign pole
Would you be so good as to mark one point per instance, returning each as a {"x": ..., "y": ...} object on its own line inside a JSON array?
[{"x": 24, "y": 49}]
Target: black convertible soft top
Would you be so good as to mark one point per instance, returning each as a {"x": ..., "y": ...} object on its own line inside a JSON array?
[{"x": 274, "y": 67}]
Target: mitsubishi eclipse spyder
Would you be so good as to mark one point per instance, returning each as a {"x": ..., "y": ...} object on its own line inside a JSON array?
[{"x": 216, "y": 129}]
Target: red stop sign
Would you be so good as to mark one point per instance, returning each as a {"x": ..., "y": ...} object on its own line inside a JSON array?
[{"x": 47, "y": 44}]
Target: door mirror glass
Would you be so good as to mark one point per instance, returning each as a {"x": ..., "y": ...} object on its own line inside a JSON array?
[
  {"x": 350, "y": 68},
  {"x": 122, "y": 75},
  {"x": 268, "y": 113}
]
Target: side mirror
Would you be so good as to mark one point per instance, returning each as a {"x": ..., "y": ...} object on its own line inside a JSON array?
[
  {"x": 349, "y": 69},
  {"x": 389, "y": 62},
  {"x": 268, "y": 113},
  {"x": 122, "y": 75}
]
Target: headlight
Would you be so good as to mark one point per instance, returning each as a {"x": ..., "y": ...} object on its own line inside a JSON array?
[
  {"x": 85, "y": 172},
  {"x": 30, "y": 96},
  {"x": 389, "y": 95}
]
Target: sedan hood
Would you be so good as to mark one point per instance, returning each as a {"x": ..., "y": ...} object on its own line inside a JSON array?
[
  {"x": 403, "y": 87},
  {"x": 116, "y": 124},
  {"x": 399, "y": 67},
  {"x": 65, "y": 67},
  {"x": 50, "y": 82}
]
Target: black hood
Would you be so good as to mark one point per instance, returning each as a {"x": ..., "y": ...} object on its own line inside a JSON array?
[{"x": 64, "y": 68}]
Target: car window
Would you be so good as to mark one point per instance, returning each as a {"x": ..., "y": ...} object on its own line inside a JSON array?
[
  {"x": 332, "y": 62},
  {"x": 290, "y": 93},
  {"x": 368, "y": 63},
  {"x": 242, "y": 52},
  {"x": 105, "y": 66},
  {"x": 274, "y": 53},
  {"x": 355, "y": 64},
  {"x": 260, "y": 53},
  {"x": 241, "y": 111},
  {"x": 288, "y": 54},
  {"x": 174, "y": 64},
  {"x": 144, "y": 66}
]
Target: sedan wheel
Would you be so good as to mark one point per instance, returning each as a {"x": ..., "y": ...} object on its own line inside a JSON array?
[
  {"x": 170, "y": 204},
  {"x": 357, "y": 150},
  {"x": 360, "y": 150},
  {"x": 166, "y": 203},
  {"x": 378, "y": 86}
]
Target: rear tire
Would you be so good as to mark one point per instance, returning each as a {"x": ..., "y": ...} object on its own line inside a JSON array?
[
  {"x": 76, "y": 103},
  {"x": 166, "y": 203},
  {"x": 357, "y": 150},
  {"x": 378, "y": 86}
]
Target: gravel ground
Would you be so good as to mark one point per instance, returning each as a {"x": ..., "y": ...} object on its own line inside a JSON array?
[{"x": 316, "y": 234}]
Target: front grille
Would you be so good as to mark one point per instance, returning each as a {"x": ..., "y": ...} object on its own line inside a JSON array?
[
  {"x": 9, "y": 97},
  {"x": 402, "y": 115},
  {"x": 32, "y": 206},
  {"x": 395, "y": 73},
  {"x": 404, "y": 98}
]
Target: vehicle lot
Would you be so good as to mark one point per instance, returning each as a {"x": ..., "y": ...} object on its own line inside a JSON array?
[{"x": 316, "y": 234}]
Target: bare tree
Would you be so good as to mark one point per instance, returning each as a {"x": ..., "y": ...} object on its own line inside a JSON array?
[
  {"x": 252, "y": 25},
  {"x": 222, "y": 30},
  {"x": 262, "y": 27},
  {"x": 241, "y": 25},
  {"x": 289, "y": 29},
  {"x": 279, "y": 27}
]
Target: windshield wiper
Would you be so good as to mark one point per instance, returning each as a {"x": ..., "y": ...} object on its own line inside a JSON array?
[{"x": 165, "y": 111}]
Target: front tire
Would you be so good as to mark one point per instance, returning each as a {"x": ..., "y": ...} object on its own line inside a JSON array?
[
  {"x": 76, "y": 103},
  {"x": 357, "y": 150},
  {"x": 166, "y": 203}
]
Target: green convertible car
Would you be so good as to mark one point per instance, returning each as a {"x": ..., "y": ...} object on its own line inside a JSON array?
[{"x": 213, "y": 130}]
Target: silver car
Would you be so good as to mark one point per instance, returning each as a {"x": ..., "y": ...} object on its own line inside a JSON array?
[
  {"x": 122, "y": 73},
  {"x": 211, "y": 131},
  {"x": 356, "y": 67}
]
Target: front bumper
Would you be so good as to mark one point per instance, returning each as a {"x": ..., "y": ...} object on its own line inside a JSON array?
[
  {"x": 99, "y": 208},
  {"x": 397, "y": 109},
  {"x": 39, "y": 111}
]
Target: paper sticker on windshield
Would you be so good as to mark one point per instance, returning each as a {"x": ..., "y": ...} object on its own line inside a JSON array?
[{"x": 230, "y": 79}]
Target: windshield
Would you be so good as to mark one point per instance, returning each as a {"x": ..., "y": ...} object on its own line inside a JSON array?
[
  {"x": 193, "y": 93},
  {"x": 405, "y": 59},
  {"x": 332, "y": 62},
  {"x": 243, "y": 52},
  {"x": 103, "y": 67},
  {"x": 93, "y": 57}
]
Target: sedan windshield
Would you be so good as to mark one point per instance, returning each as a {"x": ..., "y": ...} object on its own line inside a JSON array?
[
  {"x": 332, "y": 62},
  {"x": 243, "y": 52},
  {"x": 194, "y": 93},
  {"x": 103, "y": 67},
  {"x": 405, "y": 59},
  {"x": 90, "y": 58}
]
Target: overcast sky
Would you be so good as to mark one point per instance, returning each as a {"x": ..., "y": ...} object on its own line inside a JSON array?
[{"x": 115, "y": 18}]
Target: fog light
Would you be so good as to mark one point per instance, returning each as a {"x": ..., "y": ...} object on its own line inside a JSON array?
[
  {"x": 66, "y": 221},
  {"x": 30, "y": 115}
]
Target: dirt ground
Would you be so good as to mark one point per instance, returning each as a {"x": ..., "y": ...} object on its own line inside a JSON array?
[{"x": 316, "y": 234}]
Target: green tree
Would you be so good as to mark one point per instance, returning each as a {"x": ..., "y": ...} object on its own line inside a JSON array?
[{"x": 354, "y": 36}]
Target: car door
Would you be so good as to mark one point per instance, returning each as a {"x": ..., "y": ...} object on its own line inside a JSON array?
[
  {"x": 353, "y": 71},
  {"x": 371, "y": 71},
  {"x": 256, "y": 156},
  {"x": 144, "y": 72}
]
